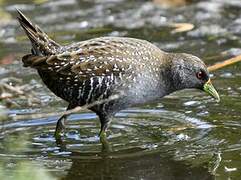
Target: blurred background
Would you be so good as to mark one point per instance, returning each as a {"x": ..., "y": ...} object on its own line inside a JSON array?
[{"x": 187, "y": 135}]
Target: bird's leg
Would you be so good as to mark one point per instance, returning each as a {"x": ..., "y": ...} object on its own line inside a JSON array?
[
  {"x": 60, "y": 127},
  {"x": 105, "y": 122}
]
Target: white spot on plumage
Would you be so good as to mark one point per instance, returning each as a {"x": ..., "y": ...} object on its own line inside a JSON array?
[
  {"x": 80, "y": 93},
  {"x": 91, "y": 89}
]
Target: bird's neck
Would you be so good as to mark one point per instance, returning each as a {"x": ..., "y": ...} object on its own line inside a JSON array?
[{"x": 169, "y": 74}]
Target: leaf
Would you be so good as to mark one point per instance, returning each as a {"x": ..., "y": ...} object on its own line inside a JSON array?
[
  {"x": 171, "y": 3},
  {"x": 182, "y": 27}
]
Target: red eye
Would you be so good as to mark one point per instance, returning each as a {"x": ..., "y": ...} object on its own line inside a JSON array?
[{"x": 200, "y": 75}]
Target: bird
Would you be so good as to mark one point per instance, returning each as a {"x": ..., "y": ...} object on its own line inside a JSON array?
[{"x": 134, "y": 70}]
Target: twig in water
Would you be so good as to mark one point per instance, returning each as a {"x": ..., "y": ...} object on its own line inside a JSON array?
[
  {"x": 75, "y": 110},
  {"x": 225, "y": 63}
]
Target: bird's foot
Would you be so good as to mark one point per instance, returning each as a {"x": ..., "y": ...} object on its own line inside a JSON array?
[
  {"x": 105, "y": 144},
  {"x": 102, "y": 134},
  {"x": 59, "y": 134}
]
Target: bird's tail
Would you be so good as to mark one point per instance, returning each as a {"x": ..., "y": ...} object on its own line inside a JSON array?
[{"x": 41, "y": 43}]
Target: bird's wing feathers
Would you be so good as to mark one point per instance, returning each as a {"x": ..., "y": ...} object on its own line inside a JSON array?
[{"x": 84, "y": 62}]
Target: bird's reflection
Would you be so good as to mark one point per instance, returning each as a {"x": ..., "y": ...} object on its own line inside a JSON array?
[{"x": 132, "y": 163}]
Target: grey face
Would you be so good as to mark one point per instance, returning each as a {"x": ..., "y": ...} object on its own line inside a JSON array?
[{"x": 189, "y": 71}]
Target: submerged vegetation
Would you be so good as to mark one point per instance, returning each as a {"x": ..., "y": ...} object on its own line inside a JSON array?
[{"x": 17, "y": 168}]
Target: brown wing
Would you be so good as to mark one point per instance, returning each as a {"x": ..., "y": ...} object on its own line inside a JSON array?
[{"x": 85, "y": 60}]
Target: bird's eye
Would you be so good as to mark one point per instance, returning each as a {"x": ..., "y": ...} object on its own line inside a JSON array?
[{"x": 200, "y": 75}]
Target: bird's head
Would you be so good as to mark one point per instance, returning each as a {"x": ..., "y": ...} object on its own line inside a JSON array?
[{"x": 189, "y": 71}]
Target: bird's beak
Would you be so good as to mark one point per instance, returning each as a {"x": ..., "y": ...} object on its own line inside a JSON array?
[{"x": 208, "y": 88}]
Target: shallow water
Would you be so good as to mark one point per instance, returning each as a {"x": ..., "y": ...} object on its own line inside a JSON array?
[{"x": 187, "y": 135}]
